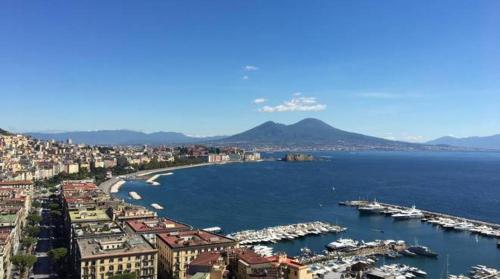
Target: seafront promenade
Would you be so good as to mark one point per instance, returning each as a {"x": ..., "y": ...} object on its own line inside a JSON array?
[{"x": 116, "y": 181}]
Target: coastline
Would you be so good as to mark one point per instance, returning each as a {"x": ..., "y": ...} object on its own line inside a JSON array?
[{"x": 113, "y": 185}]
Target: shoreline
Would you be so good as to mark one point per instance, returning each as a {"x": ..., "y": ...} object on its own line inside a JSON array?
[{"x": 113, "y": 185}]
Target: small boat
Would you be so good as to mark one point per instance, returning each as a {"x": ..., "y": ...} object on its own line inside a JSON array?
[
  {"x": 156, "y": 206},
  {"x": 213, "y": 229}
]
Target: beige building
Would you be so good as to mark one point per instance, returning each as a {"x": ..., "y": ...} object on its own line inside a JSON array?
[
  {"x": 104, "y": 257},
  {"x": 177, "y": 250}
]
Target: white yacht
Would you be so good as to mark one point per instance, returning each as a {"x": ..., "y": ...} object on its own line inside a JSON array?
[
  {"x": 373, "y": 207},
  {"x": 343, "y": 244},
  {"x": 412, "y": 213}
]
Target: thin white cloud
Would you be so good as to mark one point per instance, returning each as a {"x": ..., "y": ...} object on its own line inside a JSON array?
[
  {"x": 297, "y": 94},
  {"x": 245, "y": 77},
  {"x": 259, "y": 100},
  {"x": 250, "y": 68},
  {"x": 296, "y": 104}
]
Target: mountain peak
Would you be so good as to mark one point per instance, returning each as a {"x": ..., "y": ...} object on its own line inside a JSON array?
[
  {"x": 487, "y": 142},
  {"x": 307, "y": 133},
  {"x": 312, "y": 122}
]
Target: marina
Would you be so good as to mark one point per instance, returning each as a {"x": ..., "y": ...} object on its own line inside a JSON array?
[
  {"x": 479, "y": 272},
  {"x": 445, "y": 221},
  {"x": 286, "y": 232},
  {"x": 134, "y": 195},
  {"x": 344, "y": 247}
]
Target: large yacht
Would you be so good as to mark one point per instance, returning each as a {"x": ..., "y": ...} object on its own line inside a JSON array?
[
  {"x": 342, "y": 244},
  {"x": 370, "y": 208},
  {"x": 422, "y": 250},
  {"x": 412, "y": 213}
]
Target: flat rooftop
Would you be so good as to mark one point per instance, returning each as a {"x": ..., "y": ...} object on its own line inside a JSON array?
[
  {"x": 78, "y": 186},
  {"x": 96, "y": 229},
  {"x": 193, "y": 238},
  {"x": 160, "y": 225},
  {"x": 113, "y": 246},
  {"x": 7, "y": 219},
  {"x": 88, "y": 215}
]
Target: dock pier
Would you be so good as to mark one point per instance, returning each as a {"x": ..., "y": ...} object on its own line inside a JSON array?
[
  {"x": 379, "y": 250},
  {"x": 431, "y": 215}
]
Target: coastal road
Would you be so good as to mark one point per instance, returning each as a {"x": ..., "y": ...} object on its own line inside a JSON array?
[{"x": 108, "y": 184}]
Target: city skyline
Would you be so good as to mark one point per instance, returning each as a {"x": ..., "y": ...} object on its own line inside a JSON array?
[{"x": 411, "y": 72}]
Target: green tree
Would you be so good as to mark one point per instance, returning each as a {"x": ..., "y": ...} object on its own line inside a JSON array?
[
  {"x": 28, "y": 241},
  {"x": 56, "y": 213},
  {"x": 53, "y": 206},
  {"x": 34, "y": 219},
  {"x": 36, "y": 204},
  {"x": 58, "y": 253},
  {"x": 23, "y": 262},
  {"x": 32, "y": 230}
]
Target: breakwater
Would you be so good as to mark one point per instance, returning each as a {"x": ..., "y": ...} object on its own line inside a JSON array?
[
  {"x": 285, "y": 232},
  {"x": 443, "y": 220}
]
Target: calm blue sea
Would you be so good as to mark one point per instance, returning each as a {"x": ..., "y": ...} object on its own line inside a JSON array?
[{"x": 255, "y": 195}]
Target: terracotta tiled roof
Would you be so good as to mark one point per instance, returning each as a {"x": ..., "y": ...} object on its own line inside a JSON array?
[
  {"x": 16, "y": 182},
  {"x": 206, "y": 259}
]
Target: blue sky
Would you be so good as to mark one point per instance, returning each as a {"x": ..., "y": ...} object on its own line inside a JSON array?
[{"x": 409, "y": 70}]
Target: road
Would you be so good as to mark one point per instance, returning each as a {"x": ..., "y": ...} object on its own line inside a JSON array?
[{"x": 48, "y": 238}]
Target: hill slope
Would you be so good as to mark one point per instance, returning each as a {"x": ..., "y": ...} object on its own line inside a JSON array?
[
  {"x": 3, "y": 132},
  {"x": 489, "y": 142},
  {"x": 120, "y": 137},
  {"x": 309, "y": 132}
]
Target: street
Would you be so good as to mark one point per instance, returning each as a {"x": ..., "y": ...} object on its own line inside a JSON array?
[{"x": 48, "y": 238}]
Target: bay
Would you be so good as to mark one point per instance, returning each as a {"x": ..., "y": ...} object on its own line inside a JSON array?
[{"x": 242, "y": 196}]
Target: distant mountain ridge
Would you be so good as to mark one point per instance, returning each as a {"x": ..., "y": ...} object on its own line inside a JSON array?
[
  {"x": 488, "y": 142},
  {"x": 121, "y": 137},
  {"x": 309, "y": 132},
  {"x": 3, "y": 132}
]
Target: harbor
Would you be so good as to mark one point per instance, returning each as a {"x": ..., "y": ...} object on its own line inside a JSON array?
[
  {"x": 293, "y": 203},
  {"x": 479, "y": 272},
  {"x": 344, "y": 247},
  {"x": 283, "y": 233},
  {"x": 445, "y": 221}
]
